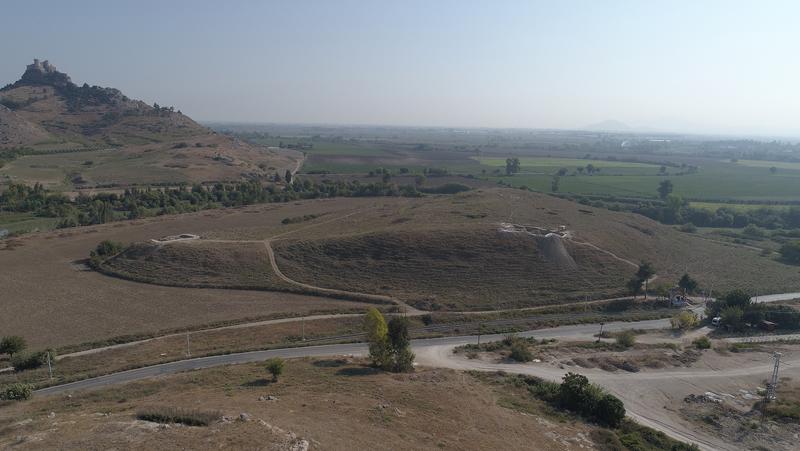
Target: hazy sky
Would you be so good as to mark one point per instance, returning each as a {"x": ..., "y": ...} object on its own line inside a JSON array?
[{"x": 719, "y": 66}]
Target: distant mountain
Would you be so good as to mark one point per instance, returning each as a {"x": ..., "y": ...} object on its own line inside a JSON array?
[
  {"x": 609, "y": 126},
  {"x": 45, "y": 111}
]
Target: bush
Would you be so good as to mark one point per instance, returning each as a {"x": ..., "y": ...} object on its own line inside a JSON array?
[
  {"x": 189, "y": 417},
  {"x": 275, "y": 367},
  {"x": 29, "y": 361},
  {"x": 12, "y": 344},
  {"x": 16, "y": 392},
  {"x": 520, "y": 352},
  {"x": 791, "y": 252},
  {"x": 610, "y": 411},
  {"x": 626, "y": 339},
  {"x": 108, "y": 248},
  {"x": 684, "y": 320},
  {"x": 702, "y": 343}
]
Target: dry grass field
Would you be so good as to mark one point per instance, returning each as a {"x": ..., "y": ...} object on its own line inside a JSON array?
[
  {"x": 454, "y": 269},
  {"x": 48, "y": 298},
  {"x": 197, "y": 263},
  {"x": 327, "y": 404}
]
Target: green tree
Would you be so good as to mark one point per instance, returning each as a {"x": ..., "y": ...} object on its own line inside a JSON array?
[
  {"x": 512, "y": 165},
  {"x": 732, "y": 317},
  {"x": 554, "y": 184},
  {"x": 572, "y": 390},
  {"x": 791, "y": 252},
  {"x": 610, "y": 411},
  {"x": 665, "y": 188},
  {"x": 738, "y": 298},
  {"x": 275, "y": 367},
  {"x": 644, "y": 273},
  {"x": 12, "y": 344},
  {"x": 376, "y": 331},
  {"x": 288, "y": 177},
  {"x": 635, "y": 286},
  {"x": 400, "y": 344},
  {"x": 687, "y": 284}
]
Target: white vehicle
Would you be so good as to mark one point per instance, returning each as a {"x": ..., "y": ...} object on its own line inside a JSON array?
[{"x": 715, "y": 321}]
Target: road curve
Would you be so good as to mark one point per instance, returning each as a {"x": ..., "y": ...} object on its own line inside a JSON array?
[{"x": 575, "y": 331}]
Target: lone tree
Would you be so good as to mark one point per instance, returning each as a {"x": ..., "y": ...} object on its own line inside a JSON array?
[
  {"x": 11, "y": 345},
  {"x": 665, "y": 188},
  {"x": 791, "y": 252},
  {"x": 275, "y": 367},
  {"x": 644, "y": 273},
  {"x": 635, "y": 286},
  {"x": 377, "y": 337},
  {"x": 400, "y": 342},
  {"x": 512, "y": 165},
  {"x": 687, "y": 284},
  {"x": 288, "y": 177},
  {"x": 389, "y": 344}
]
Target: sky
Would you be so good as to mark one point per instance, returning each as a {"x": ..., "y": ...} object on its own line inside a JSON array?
[{"x": 686, "y": 66}]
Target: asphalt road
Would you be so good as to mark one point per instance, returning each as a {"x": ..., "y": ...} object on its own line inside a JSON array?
[{"x": 585, "y": 330}]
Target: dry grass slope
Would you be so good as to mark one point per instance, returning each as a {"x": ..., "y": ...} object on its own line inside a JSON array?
[
  {"x": 197, "y": 264},
  {"x": 453, "y": 269}
]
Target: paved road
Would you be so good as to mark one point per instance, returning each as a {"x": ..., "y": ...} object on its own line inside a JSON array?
[
  {"x": 634, "y": 389},
  {"x": 576, "y": 331}
]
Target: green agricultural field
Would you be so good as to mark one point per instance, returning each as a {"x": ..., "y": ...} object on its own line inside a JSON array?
[
  {"x": 25, "y": 222},
  {"x": 770, "y": 164},
  {"x": 719, "y": 181},
  {"x": 713, "y": 206},
  {"x": 549, "y": 166}
]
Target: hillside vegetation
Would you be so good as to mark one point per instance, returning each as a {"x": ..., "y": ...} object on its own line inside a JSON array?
[
  {"x": 455, "y": 268},
  {"x": 196, "y": 264}
]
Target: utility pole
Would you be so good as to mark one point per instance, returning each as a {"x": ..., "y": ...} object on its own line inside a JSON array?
[
  {"x": 480, "y": 329},
  {"x": 600, "y": 334},
  {"x": 303, "y": 324},
  {"x": 49, "y": 366},
  {"x": 188, "y": 351},
  {"x": 773, "y": 382}
]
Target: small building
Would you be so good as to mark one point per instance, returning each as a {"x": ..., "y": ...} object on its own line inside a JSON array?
[
  {"x": 767, "y": 325},
  {"x": 677, "y": 298}
]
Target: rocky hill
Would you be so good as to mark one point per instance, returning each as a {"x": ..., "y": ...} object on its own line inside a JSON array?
[
  {"x": 47, "y": 114},
  {"x": 84, "y": 115}
]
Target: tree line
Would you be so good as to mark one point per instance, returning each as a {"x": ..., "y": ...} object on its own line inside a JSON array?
[{"x": 136, "y": 203}]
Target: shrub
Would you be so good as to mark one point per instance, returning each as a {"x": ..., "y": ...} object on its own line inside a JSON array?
[
  {"x": 791, "y": 251},
  {"x": 189, "y": 417},
  {"x": 688, "y": 228},
  {"x": 16, "y": 392},
  {"x": 702, "y": 343},
  {"x": 29, "y": 361},
  {"x": 626, "y": 339},
  {"x": 427, "y": 319},
  {"x": 610, "y": 411},
  {"x": 520, "y": 352},
  {"x": 275, "y": 367},
  {"x": 11, "y": 345},
  {"x": 684, "y": 320}
]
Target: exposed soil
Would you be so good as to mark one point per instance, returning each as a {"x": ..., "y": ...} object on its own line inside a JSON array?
[{"x": 321, "y": 404}]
